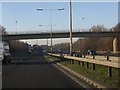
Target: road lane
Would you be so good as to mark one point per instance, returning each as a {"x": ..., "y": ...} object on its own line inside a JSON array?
[{"x": 35, "y": 72}]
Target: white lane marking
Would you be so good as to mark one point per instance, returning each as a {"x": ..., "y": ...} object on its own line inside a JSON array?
[
  {"x": 80, "y": 83},
  {"x": 71, "y": 77}
]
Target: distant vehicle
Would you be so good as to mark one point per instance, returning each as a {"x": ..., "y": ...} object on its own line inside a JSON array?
[
  {"x": 1, "y": 51},
  {"x": 29, "y": 51},
  {"x": 4, "y": 53},
  {"x": 91, "y": 52}
]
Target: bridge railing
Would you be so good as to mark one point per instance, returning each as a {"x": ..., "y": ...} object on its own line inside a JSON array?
[{"x": 46, "y": 31}]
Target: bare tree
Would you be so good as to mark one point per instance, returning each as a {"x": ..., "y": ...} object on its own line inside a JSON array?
[{"x": 97, "y": 28}]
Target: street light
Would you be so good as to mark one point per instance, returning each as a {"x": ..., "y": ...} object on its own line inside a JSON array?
[
  {"x": 16, "y": 26},
  {"x": 40, "y": 25},
  {"x": 80, "y": 31},
  {"x": 81, "y": 19},
  {"x": 41, "y": 9},
  {"x": 71, "y": 46},
  {"x": 37, "y": 39},
  {"x": 83, "y": 37},
  {"x": 47, "y": 32}
]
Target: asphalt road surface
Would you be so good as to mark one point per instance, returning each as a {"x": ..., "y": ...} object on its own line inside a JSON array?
[{"x": 34, "y": 71}]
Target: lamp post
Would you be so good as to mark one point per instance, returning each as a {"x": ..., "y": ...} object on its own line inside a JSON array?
[
  {"x": 41, "y": 9},
  {"x": 80, "y": 25},
  {"x": 16, "y": 26},
  {"x": 83, "y": 37},
  {"x": 38, "y": 31},
  {"x": 47, "y": 32},
  {"x": 71, "y": 46},
  {"x": 80, "y": 31}
]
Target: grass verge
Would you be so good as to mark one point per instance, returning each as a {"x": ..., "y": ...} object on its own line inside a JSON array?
[{"x": 100, "y": 74}]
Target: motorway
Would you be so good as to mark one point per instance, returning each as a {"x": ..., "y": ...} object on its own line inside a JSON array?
[{"x": 34, "y": 71}]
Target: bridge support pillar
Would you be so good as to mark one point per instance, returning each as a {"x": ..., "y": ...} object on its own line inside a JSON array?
[{"x": 115, "y": 45}]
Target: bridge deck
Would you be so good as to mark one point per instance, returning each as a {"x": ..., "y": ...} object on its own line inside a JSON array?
[{"x": 59, "y": 35}]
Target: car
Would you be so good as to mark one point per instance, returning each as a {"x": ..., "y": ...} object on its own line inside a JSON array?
[
  {"x": 5, "y": 53},
  {"x": 91, "y": 52}
]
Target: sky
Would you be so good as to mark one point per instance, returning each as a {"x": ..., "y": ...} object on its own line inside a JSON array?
[{"x": 28, "y": 18}]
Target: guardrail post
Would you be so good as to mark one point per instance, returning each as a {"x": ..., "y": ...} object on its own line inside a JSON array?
[
  {"x": 78, "y": 62},
  {"x": 93, "y": 66},
  {"x": 109, "y": 71},
  {"x": 84, "y": 55},
  {"x": 82, "y": 63},
  {"x": 87, "y": 65},
  {"x": 93, "y": 56},
  {"x": 68, "y": 60},
  {"x": 107, "y": 57},
  {"x": 79, "y": 55},
  {"x": 61, "y": 58},
  {"x": 72, "y": 61}
]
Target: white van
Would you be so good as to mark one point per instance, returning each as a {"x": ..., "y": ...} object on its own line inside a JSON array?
[
  {"x": 4, "y": 52},
  {"x": 1, "y": 51}
]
